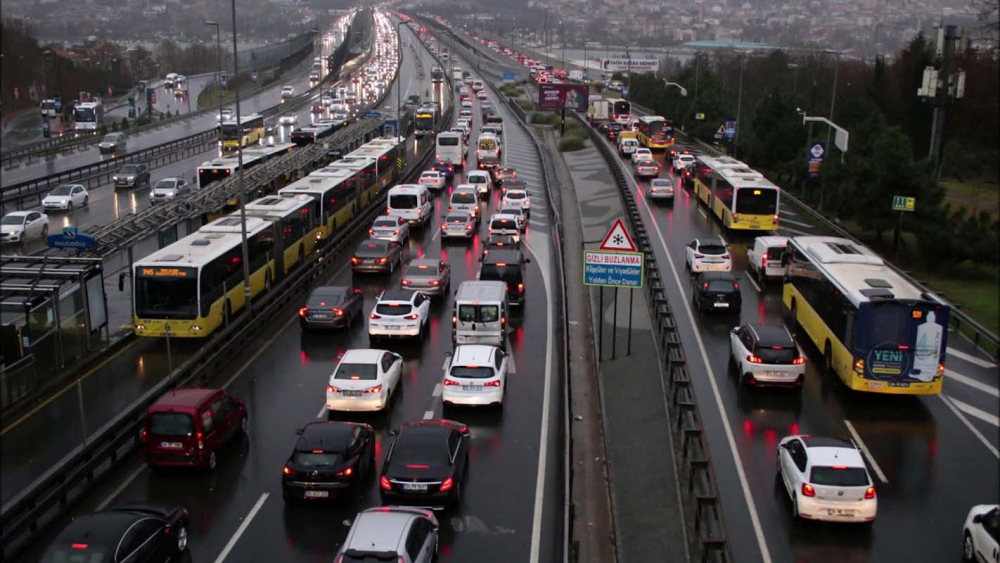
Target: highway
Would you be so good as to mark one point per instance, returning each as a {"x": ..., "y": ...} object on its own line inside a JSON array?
[{"x": 510, "y": 509}]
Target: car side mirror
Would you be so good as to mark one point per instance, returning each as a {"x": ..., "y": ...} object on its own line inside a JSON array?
[{"x": 977, "y": 518}]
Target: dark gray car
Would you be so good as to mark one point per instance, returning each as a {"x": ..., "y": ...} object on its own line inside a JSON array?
[
  {"x": 131, "y": 176},
  {"x": 332, "y": 307},
  {"x": 427, "y": 275},
  {"x": 375, "y": 255}
]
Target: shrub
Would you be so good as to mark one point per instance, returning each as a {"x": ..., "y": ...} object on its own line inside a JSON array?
[{"x": 571, "y": 143}]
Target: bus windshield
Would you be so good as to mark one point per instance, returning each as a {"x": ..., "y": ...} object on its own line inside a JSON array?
[
  {"x": 230, "y": 131},
  {"x": 170, "y": 294},
  {"x": 87, "y": 115},
  {"x": 757, "y": 201},
  {"x": 425, "y": 122}
]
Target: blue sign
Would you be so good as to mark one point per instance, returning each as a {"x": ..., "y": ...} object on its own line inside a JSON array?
[
  {"x": 149, "y": 96},
  {"x": 612, "y": 269},
  {"x": 729, "y": 131},
  {"x": 816, "y": 151},
  {"x": 625, "y": 93},
  {"x": 71, "y": 238},
  {"x": 46, "y": 129},
  {"x": 509, "y": 77},
  {"x": 372, "y": 113}
]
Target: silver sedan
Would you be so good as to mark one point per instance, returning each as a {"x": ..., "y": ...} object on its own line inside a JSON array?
[{"x": 427, "y": 275}]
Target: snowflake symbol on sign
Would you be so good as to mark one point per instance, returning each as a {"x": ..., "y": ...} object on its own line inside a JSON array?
[{"x": 619, "y": 240}]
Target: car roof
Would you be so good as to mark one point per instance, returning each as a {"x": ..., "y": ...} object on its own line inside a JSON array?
[
  {"x": 771, "y": 335},
  {"x": 327, "y": 436},
  {"x": 329, "y": 290},
  {"x": 824, "y": 442},
  {"x": 473, "y": 354},
  {"x": 362, "y": 356},
  {"x": 709, "y": 242},
  {"x": 511, "y": 257},
  {"x": 104, "y": 528},
  {"x": 396, "y": 295},
  {"x": 378, "y": 530},
  {"x": 184, "y": 397},
  {"x": 18, "y": 213}
]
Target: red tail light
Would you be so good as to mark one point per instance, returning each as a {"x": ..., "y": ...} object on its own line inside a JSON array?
[
  {"x": 355, "y": 260},
  {"x": 396, "y": 232},
  {"x": 754, "y": 359},
  {"x": 736, "y": 216},
  {"x": 698, "y": 256},
  {"x": 371, "y": 231},
  {"x": 809, "y": 491},
  {"x": 373, "y": 390},
  {"x": 775, "y": 219},
  {"x": 870, "y": 492},
  {"x": 374, "y": 316},
  {"x": 520, "y": 287},
  {"x": 143, "y": 434},
  {"x": 79, "y": 546},
  {"x": 303, "y": 311},
  {"x": 450, "y": 382},
  {"x": 412, "y": 317},
  {"x": 382, "y": 260},
  {"x": 385, "y": 484},
  {"x": 435, "y": 282},
  {"x": 763, "y": 260},
  {"x": 338, "y": 312},
  {"x": 332, "y": 389},
  {"x": 495, "y": 383},
  {"x": 725, "y": 257},
  {"x": 447, "y": 484},
  {"x": 799, "y": 361},
  {"x": 289, "y": 471},
  {"x": 405, "y": 282}
]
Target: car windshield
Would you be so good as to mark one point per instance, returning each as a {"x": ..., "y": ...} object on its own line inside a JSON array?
[
  {"x": 471, "y": 372},
  {"x": 421, "y": 270},
  {"x": 776, "y": 354},
  {"x": 456, "y": 218},
  {"x": 61, "y": 190},
  {"x": 721, "y": 286},
  {"x": 403, "y": 201},
  {"x": 476, "y": 179},
  {"x": 502, "y": 224},
  {"x": 661, "y": 183},
  {"x": 171, "y": 424},
  {"x": 357, "y": 372},
  {"x": 430, "y": 175},
  {"x": 713, "y": 249},
  {"x": 128, "y": 170},
  {"x": 164, "y": 185},
  {"x": 313, "y": 459},
  {"x": 478, "y": 313},
  {"x": 839, "y": 477},
  {"x": 67, "y": 553},
  {"x": 516, "y": 195},
  {"x": 393, "y": 309},
  {"x": 371, "y": 249},
  {"x": 112, "y": 138},
  {"x": 330, "y": 299},
  {"x": 448, "y": 141},
  {"x": 463, "y": 197},
  {"x": 12, "y": 220},
  {"x": 423, "y": 452},
  {"x": 386, "y": 223}
]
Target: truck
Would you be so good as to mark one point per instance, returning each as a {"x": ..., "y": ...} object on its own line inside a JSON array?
[
  {"x": 599, "y": 110},
  {"x": 577, "y": 75},
  {"x": 456, "y": 75}
]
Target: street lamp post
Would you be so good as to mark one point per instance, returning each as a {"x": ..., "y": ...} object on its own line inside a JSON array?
[
  {"x": 239, "y": 157},
  {"x": 833, "y": 100},
  {"x": 218, "y": 75},
  {"x": 739, "y": 108},
  {"x": 795, "y": 76},
  {"x": 399, "y": 78}
]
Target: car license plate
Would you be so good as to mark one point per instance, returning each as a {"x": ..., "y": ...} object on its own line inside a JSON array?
[
  {"x": 414, "y": 488},
  {"x": 721, "y": 305},
  {"x": 393, "y": 327},
  {"x": 472, "y": 388},
  {"x": 371, "y": 261},
  {"x": 840, "y": 511},
  {"x": 320, "y": 316},
  {"x": 317, "y": 494},
  {"x": 352, "y": 393},
  {"x": 171, "y": 445}
]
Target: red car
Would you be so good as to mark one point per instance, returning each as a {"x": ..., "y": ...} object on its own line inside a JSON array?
[{"x": 187, "y": 426}]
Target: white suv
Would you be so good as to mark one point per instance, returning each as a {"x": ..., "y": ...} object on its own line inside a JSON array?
[
  {"x": 477, "y": 375},
  {"x": 708, "y": 255},
  {"x": 517, "y": 198},
  {"x": 364, "y": 380},
  {"x": 640, "y": 154},
  {"x": 826, "y": 479},
  {"x": 766, "y": 355},
  {"x": 399, "y": 314}
]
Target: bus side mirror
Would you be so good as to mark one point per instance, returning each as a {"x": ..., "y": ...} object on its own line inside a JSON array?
[{"x": 121, "y": 281}]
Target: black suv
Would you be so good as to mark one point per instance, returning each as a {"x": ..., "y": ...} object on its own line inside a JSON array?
[
  {"x": 506, "y": 266},
  {"x": 330, "y": 460},
  {"x": 717, "y": 291}
]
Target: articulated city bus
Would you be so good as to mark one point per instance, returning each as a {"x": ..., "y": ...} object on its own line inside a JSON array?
[
  {"x": 655, "y": 132},
  {"x": 877, "y": 331},
  {"x": 221, "y": 168},
  {"x": 739, "y": 196},
  {"x": 248, "y": 131},
  {"x": 297, "y": 223}
]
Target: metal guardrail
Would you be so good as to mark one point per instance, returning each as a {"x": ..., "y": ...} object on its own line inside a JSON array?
[
  {"x": 24, "y": 517},
  {"x": 702, "y": 505}
]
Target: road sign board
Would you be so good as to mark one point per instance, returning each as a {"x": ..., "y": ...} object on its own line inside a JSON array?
[
  {"x": 699, "y": 116},
  {"x": 612, "y": 269},
  {"x": 818, "y": 149},
  {"x": 617, "y": 239},
  {"x": 509, "y": 77},
  {"x": 71, "y": 238},
  {"x": 903, "y": 203}
]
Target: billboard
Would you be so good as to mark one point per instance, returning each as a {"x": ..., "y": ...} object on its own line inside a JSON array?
[
  {"x": 563, "y": 96},
  {"x": 638, "y": 65}
]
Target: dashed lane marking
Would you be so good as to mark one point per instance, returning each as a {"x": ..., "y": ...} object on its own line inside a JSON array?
[
  {"x": 975, "y": 431},
  {"x": 974, "y": 412},
  {"x": 864, "y": 450},
  {"x": 438, "y": 389},
  {"x": 754, "y": 283},
  {"x": 966, "y": 380},
  {"x": 971, "y": 359},
  {"x": 243, "y": 528},
  {"x": 428, "y": 415},
  {"x": 128, "y": 481}
]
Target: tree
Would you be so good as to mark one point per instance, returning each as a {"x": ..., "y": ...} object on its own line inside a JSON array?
[{"x": 776, "y": 136}]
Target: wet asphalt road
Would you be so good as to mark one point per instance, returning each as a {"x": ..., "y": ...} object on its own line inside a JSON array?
[{"x": 283, "y": 381}]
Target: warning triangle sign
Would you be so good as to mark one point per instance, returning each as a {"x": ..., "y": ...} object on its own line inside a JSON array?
[{"x": 618, "y": 239}]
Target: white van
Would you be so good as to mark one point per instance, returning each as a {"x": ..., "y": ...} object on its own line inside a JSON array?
[
  {"x": 627, "y": 146},
  {"x": 465, "y": 199},
  {"x": 477, "y": 85},
  {"x": 488, "y": 145},
  {"x": 411, "y": 202},
  {"x": 450, "y": 148},
  {"x": 482, "y": 180},
  {"x": 480, "y": 314},
  {"x": 764, "y": 257}
]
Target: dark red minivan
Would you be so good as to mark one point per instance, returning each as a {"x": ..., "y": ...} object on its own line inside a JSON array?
[{"x": 188, "y": 425}]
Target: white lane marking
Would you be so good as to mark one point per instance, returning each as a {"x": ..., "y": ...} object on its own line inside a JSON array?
[
  {"x": 543, "y": 448},
  {"x": 243, "y": 527},
  {"x": 799, "y": 223},
  {"x": 269, "y": 342},
  {"x": 438, "y": 389},
  {"x": 747, "y": 494},
  {"x": 864, "y": 450},
  {"x": 971, "y": 359},
  {"x": 989, "y": 390},
  {"x": 791, "y": 230},
  {"x": 702, "y": 213},
  {"x": 322, "y": 411},
  {"x": 723, "y": 241},
  {"x": 974, "y": 412},
  {"x": 975, "y": 431},
  {"x": 511, "y": 366},
  {"x": 751, "y": 280},
  {"x": 114, "y": 494},
  {"x": 444, "y": 366},
  {"x": 428, "y": 415}
]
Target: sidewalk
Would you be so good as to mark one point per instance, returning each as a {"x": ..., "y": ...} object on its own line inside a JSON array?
[{"x": 645, "y": 499}]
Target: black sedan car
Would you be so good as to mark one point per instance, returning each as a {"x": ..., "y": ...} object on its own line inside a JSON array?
[
  {"x": 332, "y": 307},
  {"x": 375, "y": 255},
  {"x": 140, "y": 532},
  {"x": 502, "y": 173},
  {"x": 716, "y": 291},
  {"x": 613, "y": 130},
  {"x": 426, "y": 465},
  {"x": 330, "y": 460}
]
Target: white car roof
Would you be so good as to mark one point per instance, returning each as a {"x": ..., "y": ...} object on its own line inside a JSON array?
[
  {"x": 468, "y": 187},
  {"x": 362, "y": 356},
  {"x": 473, "y": 355},
  {"x": 430, "y": 173}
]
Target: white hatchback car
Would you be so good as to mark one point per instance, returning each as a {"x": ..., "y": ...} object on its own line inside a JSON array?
[
  {"x": 515, "y": 211},
  {"x": 364, "y": 380},
  {"x": 481, "y": 179},
  {"x": 640, "y": 154},
  {"x": 390, "y": 227},
  {"x": 288, "y": 119},
  {"x": 399, "y": 314},
  {"x": 766, "y": 355},
  {"x": 66, "y": 196},
  {"x": 517, "y": 198},
  {"x": 826, "y": 479},
  {"x": 476, "y": 375},
  {"x": 708, "y": 255},
  {"x": 981, "y": 534},
  {"x": 682, "y": 162},
  {"x": 432, "y": 179}
]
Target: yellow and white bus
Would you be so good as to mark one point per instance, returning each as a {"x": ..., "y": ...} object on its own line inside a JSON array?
[
  {"x": 249, "y": 131},
  {"x": 335, "y": 192},
  {"x": 193, "y": 283},
  {"x": 654, "y": 132},
  {"x": 223, "y": 167},
  {"x": 878, "y": 332},
  {"x": 297, "y": 225},
  {"x": 739, "y": 196}
]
